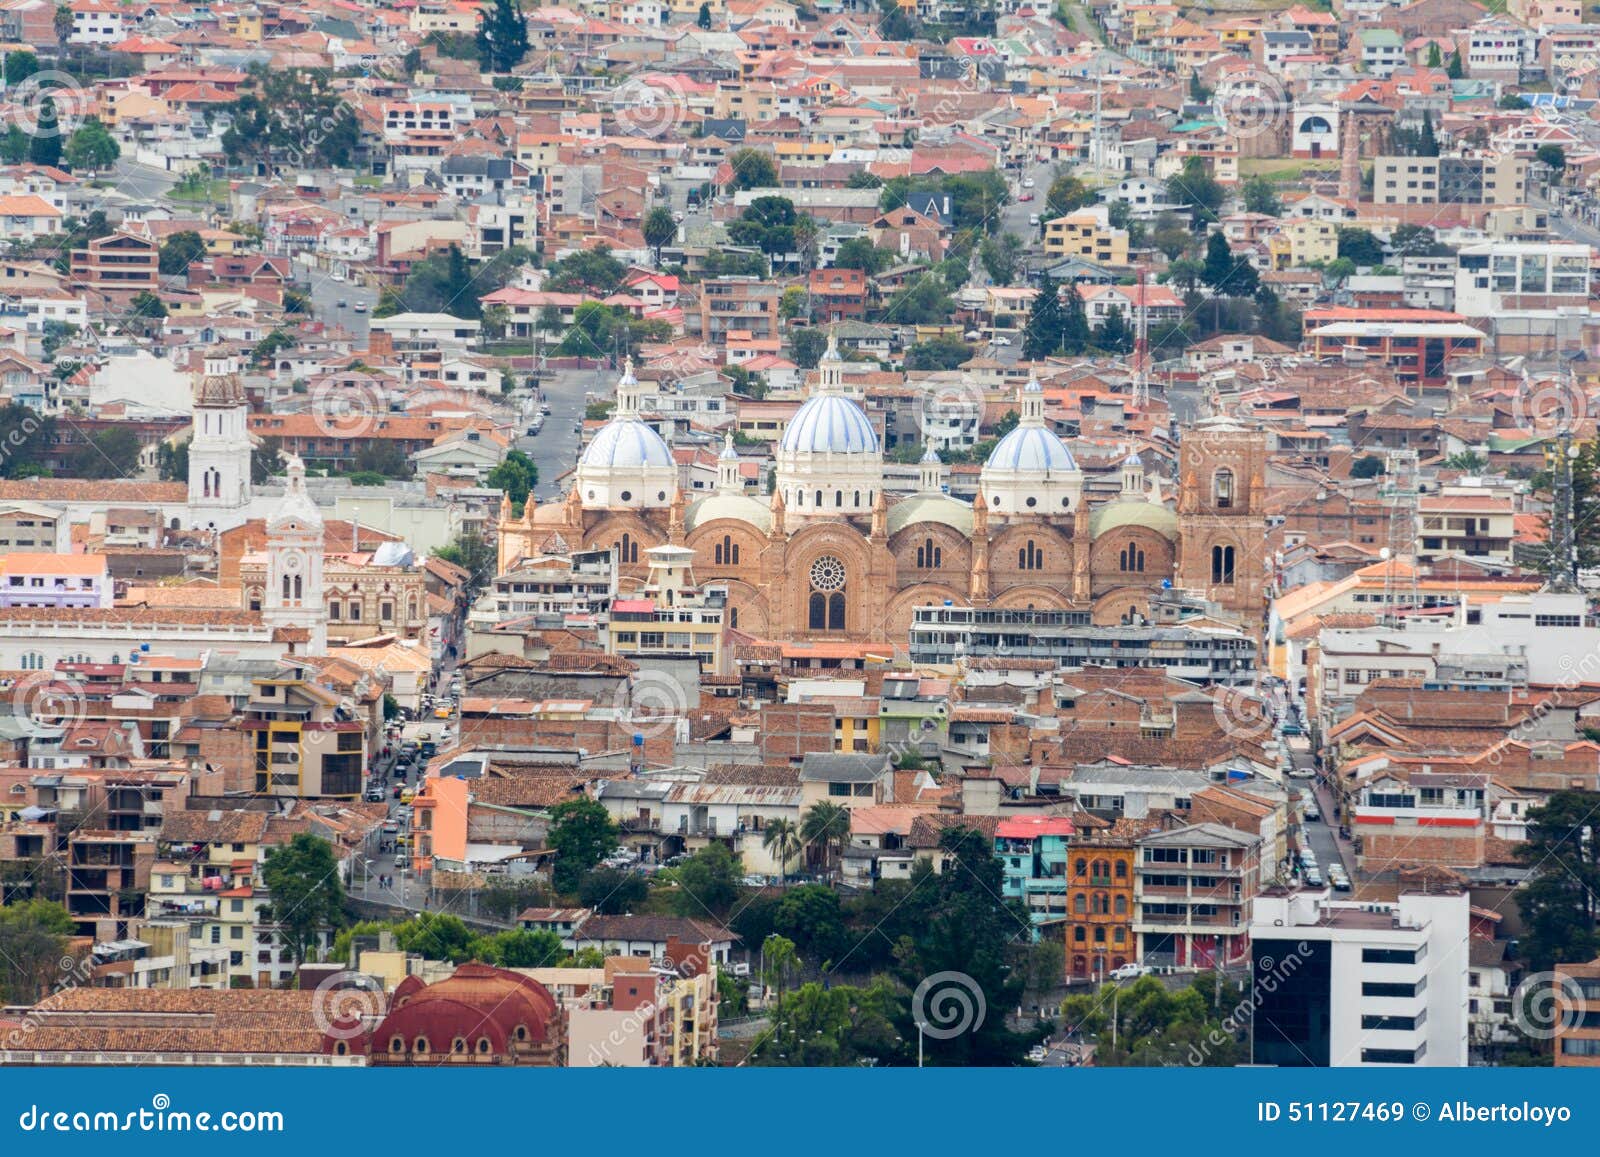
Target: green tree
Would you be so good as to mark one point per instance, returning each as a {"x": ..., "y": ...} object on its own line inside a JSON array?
[
  {"x": 613, "y": 892},
  {"x": 1155, "y": 1026},
  {"x": 924, "y": 301},
  {"x": 594, "y": 271},
  {"x": 266, "y": 460},
  {"x": 1042, "y": 334},
  {"x": 109, "y": 453},
  {"x": 14, "y": 145},
  {"x": 808, "y": 345},
  {"x": 581, "y": 834},
  {"x": 1427, "y": 141},
  {"x": 825, "y": 826},
  {"x": 91, "y": 147},
  {"x": 172, "y": 462},
  {"x": 1360, "y": 246},
  {"x": 504, "y": 899},
  {"x": 1367, "y": 466},
  {"x": 753, "y": 169},
  {"x": 517, "y": 476},
  {"x": 1001, "y": 256},
  {"x": 963, "y": 925},
  {"x": 502, "y": 36},
  {"x": 45, "y": 146},
  {"x": 19, "y": 66},
  {"x": 382, "y": 456},
  {"x": 293, "y": 118},
  {"x": 520, "y": 948},
  {"x": 1453, "y": 69},
  {"x": 705, "y": 16},
  {"x": 180, "y": 250},
  {"x": 35, "y": 934},
  {"x": 1065, "y": 194},
  {"x": 302, "y": 877},
  {"x": 938, "y": 353},
  {"x": 1261, "y": 196},
  {"x": 860, "y": 253},
  {"x": 708, "y": 882},
  {"x": 1075, "y": 334},
  {"x": 833, "y": 1026},
  {"x": 1552, "y": 156},
  {"x": 1114, "y": 336},
  {"x": 1560, "y": 900},
  {"x": 1435, "y": 58},
  {"x": 781, "y": 839},
  {"x": 659, "y": 228},
  {"x": 1195, "y": 187},
  {"x": 1467, "y": 461},
  {"x": 146, "y": 309},
  {"x": 812, "y": 916}
]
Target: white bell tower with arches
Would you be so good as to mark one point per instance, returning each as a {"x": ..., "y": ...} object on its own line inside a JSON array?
[
  {"x": 295, "y": 546},
  {"x": 219, "y": 447}
]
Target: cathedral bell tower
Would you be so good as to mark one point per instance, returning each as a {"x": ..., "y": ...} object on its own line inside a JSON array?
[
  {"x": 1222, "y": 522},
  {"x": 295, "y": 548},
  {"x": 219, "y": 448}
]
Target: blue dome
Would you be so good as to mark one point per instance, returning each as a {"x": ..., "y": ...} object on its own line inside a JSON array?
[
  {"x": 830, "y": 424},
  {"x": 626, "y": 442},
  {"x": 1032, "y": 449}
]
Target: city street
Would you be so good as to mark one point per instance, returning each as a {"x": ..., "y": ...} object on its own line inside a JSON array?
[
  {"x": 326, "y": 296},
  {"x": 555, "y": 448}
]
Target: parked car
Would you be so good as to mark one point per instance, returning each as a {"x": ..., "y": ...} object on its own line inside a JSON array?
[
  {"x": 1130, "y": 972},
  {"x": 1314, "y": 877},
  {"x": 361, "y": 307},
  {"x": 1027, "y": 182}
]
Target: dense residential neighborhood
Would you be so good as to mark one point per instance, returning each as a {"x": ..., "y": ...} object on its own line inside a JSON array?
[{"x": 672, "y": 533}]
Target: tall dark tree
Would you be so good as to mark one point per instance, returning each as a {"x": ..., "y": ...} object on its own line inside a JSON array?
[
  {"x": 1114, "y": 336},
  {"x": 581, "y": 834},
  {"x": 302, "y": 878},
  {"x": 1560, "y": 901},
  {"x": 45, "y": 147},
  {"x": 180, "y": 250},
  {"x": 502, "y": 36},
  {"x": 705, "y": 16},
  {"x": 1041, "y": 336},
  {"x": 659, "y": 228},
  {"x": 1076, "y": 336}
]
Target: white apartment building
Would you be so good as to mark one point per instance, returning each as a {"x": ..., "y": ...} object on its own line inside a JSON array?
[{"x": 1357, "y": 985}]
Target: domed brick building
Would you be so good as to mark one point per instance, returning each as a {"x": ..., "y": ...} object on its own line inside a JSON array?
[
  {"x": 479, "y": 1016},
  {"x": 828, "y": 555}
]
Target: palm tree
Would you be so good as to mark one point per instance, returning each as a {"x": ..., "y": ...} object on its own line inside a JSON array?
[
  {"x": 781, "y": 838},
  {"x": 827, "y": 825}
]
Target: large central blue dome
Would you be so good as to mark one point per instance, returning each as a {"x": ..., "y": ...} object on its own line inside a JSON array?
[
  {"x": 830, "y": 424},
  {"x": 626, "y": 442},
  {"x": 1033, "y": 449}
]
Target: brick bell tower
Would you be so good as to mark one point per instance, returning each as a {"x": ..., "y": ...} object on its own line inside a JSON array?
[{"x": 1222, "y": 524}]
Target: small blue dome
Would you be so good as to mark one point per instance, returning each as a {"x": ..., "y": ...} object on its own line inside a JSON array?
[
  {"x": 1033, "y": 449},
  {"x": 830, "y": 424},
  {"x": 626, "y": 442}
]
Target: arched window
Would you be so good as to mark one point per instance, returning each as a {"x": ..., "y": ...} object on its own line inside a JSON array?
[
  {"x": 1099, "y": 935},
  {"x": 817, "y": 618},
  {"x": 1222, "y": 565},
  {"x": 1222, "y": 489},
  {"x": 929, "y": 555},
  {"x": 1122, "y": 906},
  {"x": 421, "y": 1045},
  {"x": 838, "y": 497},
  {"x": 1120, "y": 935},
  {"x": 1083, "y": 866},
  {"x": 1122, "y": 869},
  {"x": 286, "y": 588},
  {"x": 299, "y": 588},
  {"x": 836, "y": 611},
  {"x": 1078, "y": 935},
  {"x": 1080, "y": 903},
  {"x": 1030, "y": 557},
  {"x": 397, "y": 1044},
  {"x": 522, "y": 1032},
  {"x": 819, "y": 499},
  {"x": 858, "y": 498},
  {"x": 459, "y": 1045},
  {"x": 627, "y": 549},
  {"x": 483, "y": 1044},
  {"x": 733, "y": 554},
  {"x": 1101, "y": 905},
  {"x": 1132, "y": 558},
  {"x": 733, "y": 617}
]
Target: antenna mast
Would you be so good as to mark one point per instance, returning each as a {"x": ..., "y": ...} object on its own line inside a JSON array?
[{"x": 1400, "y": 488}]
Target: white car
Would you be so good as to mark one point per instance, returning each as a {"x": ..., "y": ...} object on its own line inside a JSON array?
[
  {"x": 1027, "y": 182},
  {"x": 1130, "y": 972},
  {"x": 999, "y": 341},
  {"x": 1033, "y": 219}
]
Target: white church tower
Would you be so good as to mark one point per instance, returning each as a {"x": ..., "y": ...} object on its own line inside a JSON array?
[
  {"x": 219, "y": 449},
  {"x": 294, "y": 595}
]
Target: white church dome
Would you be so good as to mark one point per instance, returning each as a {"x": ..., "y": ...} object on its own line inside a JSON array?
[
  {"x": 626, "y": 443},
  {"x": 1031, "y": 449},
  {"x": 830, "y": 424}
]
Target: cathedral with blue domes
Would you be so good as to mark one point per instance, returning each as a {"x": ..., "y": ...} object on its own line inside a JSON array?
[{"x": 828, "y": 554}]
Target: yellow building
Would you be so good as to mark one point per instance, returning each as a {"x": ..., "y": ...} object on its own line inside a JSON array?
[
  {"x": 1301, "y": 243},
  {"x": 670, "y": 617},
  {"x": 1086, "y": 233},
  {"x": 242, "y": 23}
]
